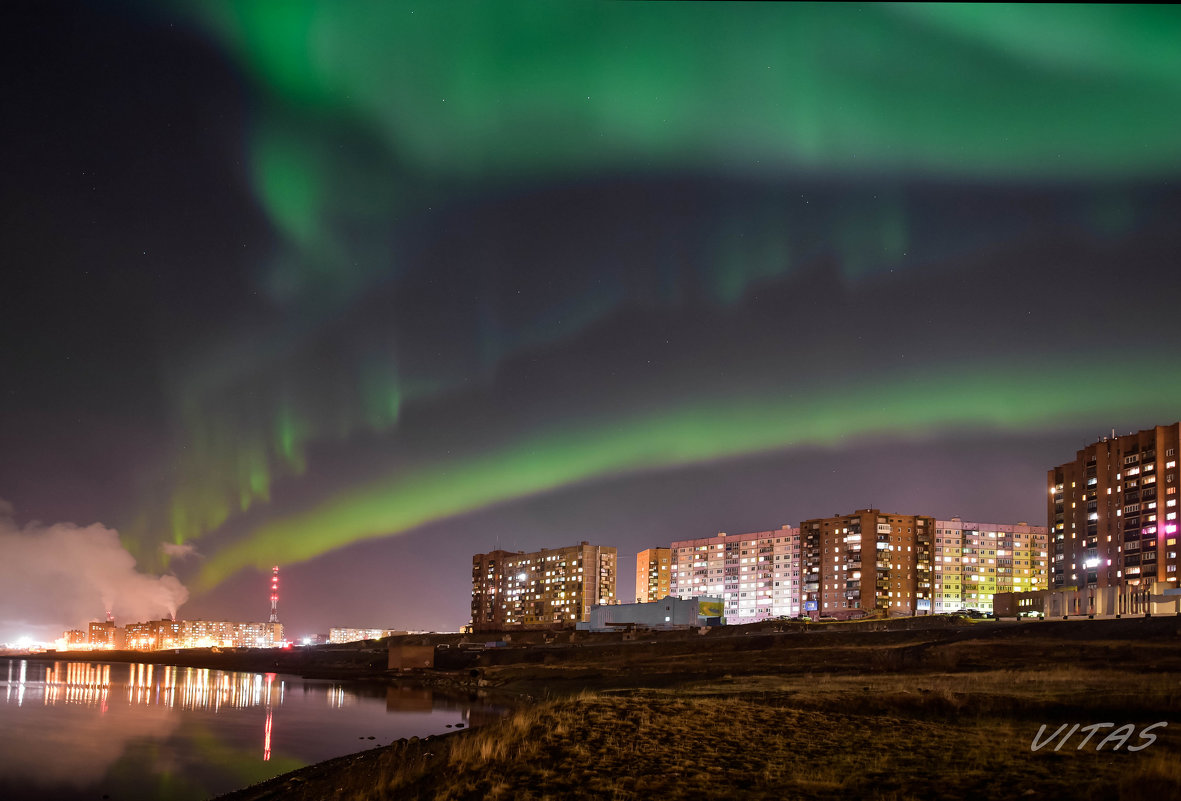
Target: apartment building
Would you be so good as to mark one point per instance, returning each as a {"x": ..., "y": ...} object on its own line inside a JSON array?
[
  {"x": 154, "y": 635},
  {"x": 1112, "y": 512},
  {"x": 105, "y": 634},
  {"x": 653, "y": 575},
  {"x": 544, "y": 589},
  {"x": 756, "y": 575},
  {"x": 342, "y": 634},
  {"x": 972, "y": 562},
  {"x": 867, "y": 562}
]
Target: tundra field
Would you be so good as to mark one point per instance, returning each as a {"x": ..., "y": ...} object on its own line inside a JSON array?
[{"x": 900, "y": 710}]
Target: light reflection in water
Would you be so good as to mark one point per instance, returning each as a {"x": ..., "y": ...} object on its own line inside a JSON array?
[
  {"x": 141, "y": 728},
  {"x": 187, "y": 688},
  {"x": 203, "y": 689}
]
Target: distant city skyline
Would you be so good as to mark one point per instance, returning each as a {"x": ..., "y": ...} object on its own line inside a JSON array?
[{"x": 363, "y": 289}]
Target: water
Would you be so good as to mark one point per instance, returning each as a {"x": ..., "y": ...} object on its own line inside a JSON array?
[{"x": 136, "y": 732}]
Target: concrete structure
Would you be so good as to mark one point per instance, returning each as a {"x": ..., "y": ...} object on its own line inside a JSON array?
[
  {"x": 867, "y": 563},
  {"x": 653, "y": 573},
  {"x": 1097, "y": 602},
  {"x": 1112, "y": 513},
  {"x": 545, "y": 589},
  {"x": 667, "y": 613},
  {"x": 974, "y": 561},
  {"x": 1020, "y": 604},
  {"x": 411, "y": 657},
  {"x": 756, "y": 575}
]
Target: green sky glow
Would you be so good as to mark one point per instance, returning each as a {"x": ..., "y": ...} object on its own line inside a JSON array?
[
  {"x": 475, "y": 93},
  {"x": 365, "y": 114},
  {"x": 1005, "y": 397},
  {"x": 960, "y": 89}
]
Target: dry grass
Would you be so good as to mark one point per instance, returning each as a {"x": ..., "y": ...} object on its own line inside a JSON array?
[
  {"x": 911, "y": 720},
  {"x": 883, "y": 737}
]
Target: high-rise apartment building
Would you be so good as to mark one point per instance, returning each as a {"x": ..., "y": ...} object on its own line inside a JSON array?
[
  {"x": 756, "y": 575},
  {"x": 868, "y": 562},
  {"x": 103, "y": 634},
  {"x": 545, "y": 589},
  {"x": 1112, "y": 512},
  {"x": 974, "y": 561},
  {"x": 653, "y": 573}
]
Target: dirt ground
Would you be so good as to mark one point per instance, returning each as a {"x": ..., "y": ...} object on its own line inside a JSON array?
[{"x": 944, "y": 714}]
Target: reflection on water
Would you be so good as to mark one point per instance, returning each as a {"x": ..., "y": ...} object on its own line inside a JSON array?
[
  {"x": 158, "y": 731},
  {"x": 188, "y": 688}
]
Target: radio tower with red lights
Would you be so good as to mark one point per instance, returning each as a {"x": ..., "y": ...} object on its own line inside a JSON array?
[{"x": 275, "y": 594}]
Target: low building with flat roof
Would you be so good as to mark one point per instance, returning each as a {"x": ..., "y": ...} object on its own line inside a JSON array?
[{"x": 666, "y": 613}]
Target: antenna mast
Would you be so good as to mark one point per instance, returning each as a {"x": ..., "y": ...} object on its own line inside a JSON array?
[{"x": 275, "y": 594}]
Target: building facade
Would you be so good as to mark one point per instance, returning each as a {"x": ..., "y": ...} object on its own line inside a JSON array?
[
  {"x": 75, "y": 638},
  {"x": 104, "y": 634},
  {"x": 756, "y": 575},
  {"x": 1112, "y": 512},
  {"x": 974, "y": 561},
  {"x": 1091, "y": 602},
  {"x": 338, "y": 634},
  {"x": 867, "y": 563},
  {"x": 153, "y": 635},
  {"x": 653, "y": 574},
  {"x": 545, "y": 589},
  {"x": 665, "y": 613}
]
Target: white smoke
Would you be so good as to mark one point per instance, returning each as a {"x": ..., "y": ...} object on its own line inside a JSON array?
[
  {"x": 174, "y": 551},
  {"x": 62, "y": 576}
]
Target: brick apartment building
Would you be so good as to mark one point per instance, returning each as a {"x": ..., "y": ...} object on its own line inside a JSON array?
[
  {"x": 544, "y": 589},
  {"x": 1112, "y": 513},
  {"x": 867, "y": 562},
  {"x": 653, "y": 574}
]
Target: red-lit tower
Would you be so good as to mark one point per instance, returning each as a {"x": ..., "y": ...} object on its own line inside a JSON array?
[{"x": 275, "y": 594}]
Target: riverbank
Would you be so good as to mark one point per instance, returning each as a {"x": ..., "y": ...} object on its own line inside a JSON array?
[{"x": 960, "y": 712}]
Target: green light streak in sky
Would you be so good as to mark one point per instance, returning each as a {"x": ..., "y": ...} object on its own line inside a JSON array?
[
  {"x": 475, "y": 92},
  {"x": 369, "y": 109},
  {"x": 290, "y": 186},
  {"x": 1012, "y": 398},
  {"x": 509, "y": 87}
]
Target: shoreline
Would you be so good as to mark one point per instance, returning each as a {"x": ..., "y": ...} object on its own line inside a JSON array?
[{"x": 948, "y": 712}]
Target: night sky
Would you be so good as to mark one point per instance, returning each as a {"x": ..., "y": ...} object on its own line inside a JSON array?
[{"x": 361, "y": 289}]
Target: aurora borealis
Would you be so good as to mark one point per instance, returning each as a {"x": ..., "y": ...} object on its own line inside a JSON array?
[{"x": 364, "y": 288}]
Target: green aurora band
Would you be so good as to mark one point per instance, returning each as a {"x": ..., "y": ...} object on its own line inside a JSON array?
[
  {"x": 369, "y": 111},
  {"x": 466, "y": 87},
  {"x": 996, "y": 397}
]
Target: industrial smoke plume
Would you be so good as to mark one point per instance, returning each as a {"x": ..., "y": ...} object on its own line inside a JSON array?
[{"x": 62, "y": 576}]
